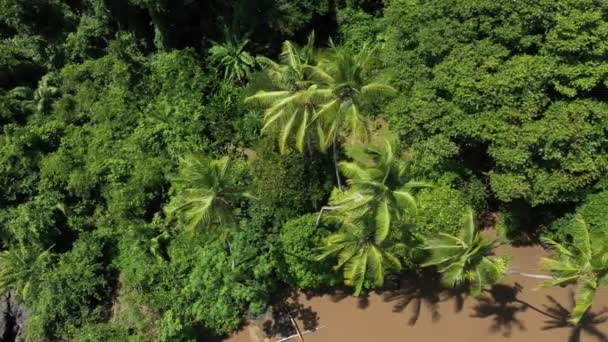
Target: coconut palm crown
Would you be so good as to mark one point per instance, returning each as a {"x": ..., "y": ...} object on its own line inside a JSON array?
[
  {"x": 361, "y": 254},
  {"x": 379, "y": 183},
  {"x": 348, "y": 76},
  {"x": 291, "y": 109},
  {"x": 466, "y": 258},
  {"x": 205, "y": 192},
  {"x": 583, "y": 261}
]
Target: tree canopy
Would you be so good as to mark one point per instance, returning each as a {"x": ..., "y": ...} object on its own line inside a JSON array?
[{"x": 164, "y": 172}]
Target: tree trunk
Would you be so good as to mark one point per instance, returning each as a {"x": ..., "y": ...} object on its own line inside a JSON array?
[
  {"x": 335, "y": 154},
  {"x": 531, "y": 275}
]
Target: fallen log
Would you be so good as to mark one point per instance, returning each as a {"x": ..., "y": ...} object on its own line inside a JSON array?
[{"x": 296, "y": 335}]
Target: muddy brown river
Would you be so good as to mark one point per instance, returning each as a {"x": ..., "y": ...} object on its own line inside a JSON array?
[{"x": 516, "y": 310}]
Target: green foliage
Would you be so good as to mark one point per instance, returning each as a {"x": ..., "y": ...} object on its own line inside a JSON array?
[
  {"x": 358, "y": 28},
  {"x": 500, "y": 104},
  {"x": 440, "y": 210},
  {"x": 379, "y": 184},
  {"x": 291, "y": 108},
  {"x": 20, "y": 269},
  {"x": 102, "y": 332},
  {"x": 364, "y": 256},
  {"x": 594, "y": 209},
  {"x": 205, "y": 192},
  {"x": 290, "y": 185},
  {"x": 288, "y": 16},
  {"x": 584, "y": 261},
  {"x": 511, "y": 86},
  {"x": 466, "y": 258},
  {"x": 300, "y": 238},
  {"x": 231, "y": 57},
  {"x": 347, "y": 75},
  {"x": 228, "y": 281},
  {"x": 74, "y": 292}
]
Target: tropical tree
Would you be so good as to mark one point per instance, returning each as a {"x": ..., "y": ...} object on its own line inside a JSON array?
[
  {"x": 294, "y": 70},
  {"x": 348, "y": 76},
  {"x": 291, "y": 109},
  {"x": 231, "y": 57},
  {"x": 205, "y": 192},
  {"x": 16, "y": 104},
  {"x": 583, "y": 261},
  {"x": 45, "y": 94},
  {"x": 363, "y": 254},
  {"x": 20, "y": 268},
  {"x": 466, "y": 258},
  {"x": 380, "y": 186}
]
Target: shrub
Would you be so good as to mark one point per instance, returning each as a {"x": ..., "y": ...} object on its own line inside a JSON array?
[
  {"x": 300, "y": 239},
  {"x": 440, "y": 210}
]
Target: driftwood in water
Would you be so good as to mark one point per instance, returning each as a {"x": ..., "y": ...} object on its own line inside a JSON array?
[{"x": 296, "y": 335}]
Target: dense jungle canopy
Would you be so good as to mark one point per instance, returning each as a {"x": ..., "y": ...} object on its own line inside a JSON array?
[{"x": 163, "y": 163}]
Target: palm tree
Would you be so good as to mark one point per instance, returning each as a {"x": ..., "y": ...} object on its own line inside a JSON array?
[
  {"x": 232, "y": 57},
  {"x": 361, "y": 254},
  {"x": 292, "y": 114},
  {"x": 20, "y": 268},
  {"x": 293, "y": 72},
  {"x": 45, "y": 94},
  {"x": 348, "y": 77},
  {"x": 379, "y": 183},
  {"x": 291, "y": 109},
  {"x": 466, "y": 258},
  {"x": 205, "y": 192},
  {"x": 584, "y": 261}
]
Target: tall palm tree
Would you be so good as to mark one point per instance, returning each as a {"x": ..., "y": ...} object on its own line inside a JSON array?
[
  {"x": 348, "y": 76},
  {"x": 466, "y": 258},
  {"x": 205, "y": 192},
  {"x": 379, "y": 183},
  {"x": 291, "y": 109},
  {"x": 231, "y": 57},
  {"x": 20, "y": 268},
  {"x": 584, "y": 261},
  {"x": 361, "y": 254}
]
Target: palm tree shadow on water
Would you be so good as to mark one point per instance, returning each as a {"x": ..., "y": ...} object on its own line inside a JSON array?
[
  {"x": 422, "y": 289},
  {"x": 503, "y": 305},
  {"x": 279, "y": 324},
  {"x": 588, "y": 324}
]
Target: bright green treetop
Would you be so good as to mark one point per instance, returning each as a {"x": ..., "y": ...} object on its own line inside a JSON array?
[
  {"x": 205, "y": 192},
  {"x": 362, "y": 253},
  {"x": 379, "y": 183},
  {"x": 466, "y": 258},
  {"x": 583, "y": 261}
]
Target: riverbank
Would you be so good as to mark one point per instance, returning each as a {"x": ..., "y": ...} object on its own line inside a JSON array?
[{"x": 516, "y": 310}]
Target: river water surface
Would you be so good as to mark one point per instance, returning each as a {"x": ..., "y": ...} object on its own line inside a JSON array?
[{"x": 419, "y": 311}]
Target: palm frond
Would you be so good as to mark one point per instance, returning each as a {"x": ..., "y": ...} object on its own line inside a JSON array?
[
  {"x": 383, "y": 222},
  {"x": 584, "y": 299}
]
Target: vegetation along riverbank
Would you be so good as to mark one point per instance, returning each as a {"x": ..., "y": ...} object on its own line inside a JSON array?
[{"x": 329, "y": 170}]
